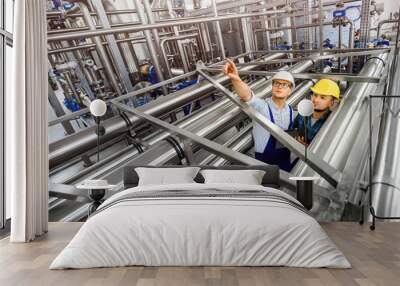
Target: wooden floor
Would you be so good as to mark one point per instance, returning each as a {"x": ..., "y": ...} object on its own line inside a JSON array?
[{"x": 375, "y": 257}]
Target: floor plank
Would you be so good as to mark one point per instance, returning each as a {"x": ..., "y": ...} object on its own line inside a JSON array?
[{"x": 374, "y": 255}]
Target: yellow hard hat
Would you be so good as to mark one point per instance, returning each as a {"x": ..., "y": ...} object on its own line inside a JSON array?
[{"x": 326, "y": 87}]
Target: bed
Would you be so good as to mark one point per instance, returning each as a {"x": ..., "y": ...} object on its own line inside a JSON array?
[{"x": 201, "y": 224}]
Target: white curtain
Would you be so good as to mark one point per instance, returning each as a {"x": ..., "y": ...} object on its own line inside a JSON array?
[{"x": 26, "y": 124}]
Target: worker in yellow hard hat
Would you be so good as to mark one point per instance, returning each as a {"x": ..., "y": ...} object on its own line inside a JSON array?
[{"x": 325, "y": 93}]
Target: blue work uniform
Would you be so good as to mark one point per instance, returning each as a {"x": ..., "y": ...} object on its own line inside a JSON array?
[{"x": 266, "y": 147}]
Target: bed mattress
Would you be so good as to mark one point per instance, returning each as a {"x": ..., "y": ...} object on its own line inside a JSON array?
[{"x": 201, "y": 225}]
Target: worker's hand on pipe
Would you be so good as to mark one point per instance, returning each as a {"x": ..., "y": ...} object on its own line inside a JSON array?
[{"x": 230, "y": 70}]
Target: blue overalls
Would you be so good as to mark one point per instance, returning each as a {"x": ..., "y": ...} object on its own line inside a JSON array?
[{"x": 273, "y": 155}]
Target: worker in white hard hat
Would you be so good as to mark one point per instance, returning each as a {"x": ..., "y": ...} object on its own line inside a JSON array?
[{"x": 275, "y": 108}]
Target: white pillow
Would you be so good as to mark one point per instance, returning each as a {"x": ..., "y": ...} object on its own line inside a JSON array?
[
  {"x": 163, "y": 176},
  {"x": 248, "y": 177}
]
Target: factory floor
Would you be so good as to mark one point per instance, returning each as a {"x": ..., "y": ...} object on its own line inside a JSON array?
[{"x": 374, "y": 255}]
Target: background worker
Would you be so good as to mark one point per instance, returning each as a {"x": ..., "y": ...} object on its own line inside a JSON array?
[{"x": 275, "y": 108}]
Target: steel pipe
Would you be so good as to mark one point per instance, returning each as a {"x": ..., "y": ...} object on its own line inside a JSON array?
[
  {"x": 53, "y": 14},
  {"x": 69, "y": 49},
  {"x": 351, "y": 46},
  {"x": 150, "y": 20},
  {"x": 146, "y": 27},
  {"x": 100, "y": 49},
  {"x": 308, "y": 41},
  {"x": 385, "y": 180},
  {"x": 240, "y": 142},
  {"x": 113, "y": 48},
  {"x": 133, "y": 40},
  {"x": 180, "y": 46},
  {"x": 164, "y": 53},
  {"x": 150, "y": 44},
  {"x": 256, "y": 31},
  {"x": 87, "y": 28},
  {"x": 229, "y": 5},
  {"x": 381, "y": 23},
  {"x": 218, "y": 29}
]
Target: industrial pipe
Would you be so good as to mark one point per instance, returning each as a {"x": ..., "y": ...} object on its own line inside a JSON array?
[
  {"x": 79, "y": 29},
  {"x": 150, "y": 44},
  {"x": 180, "y": 46},
  {"x": 146, "y": 27},
  {"x": 99, "y": 47},
  {"x": 385, "y": 188},
  {"x": 137, "y": 39},
  {"x": 164, "y": 53},
  {"x": 256, "y": 31},
  {"x": 218, "y": 29},
  {"x": 54, "y": 14},
  {"x": 381, "y": 23}
]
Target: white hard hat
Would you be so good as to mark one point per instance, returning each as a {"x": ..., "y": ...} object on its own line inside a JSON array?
[{"x": 284, "y": 75}]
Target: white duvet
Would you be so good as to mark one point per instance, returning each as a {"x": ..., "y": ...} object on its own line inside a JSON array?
[{"x": 200, "y": 231}]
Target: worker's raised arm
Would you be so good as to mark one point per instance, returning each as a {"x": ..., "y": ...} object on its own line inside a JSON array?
[{"x": 241, "y": 88}]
